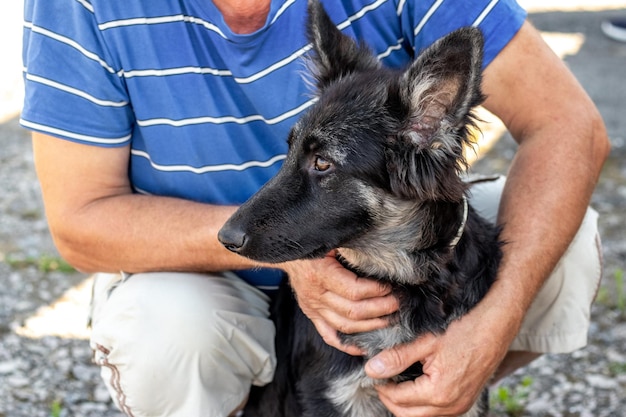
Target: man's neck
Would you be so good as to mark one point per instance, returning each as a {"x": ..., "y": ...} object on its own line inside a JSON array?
[{"x": 244, "y": 16}]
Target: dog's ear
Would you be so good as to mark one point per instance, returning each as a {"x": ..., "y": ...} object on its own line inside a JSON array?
[
  {"x": 336, "y": 54},
  {"x": 438, "y": 92}
]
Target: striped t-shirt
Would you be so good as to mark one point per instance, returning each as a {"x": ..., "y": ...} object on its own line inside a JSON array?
[{"x": 206, "y": 111}]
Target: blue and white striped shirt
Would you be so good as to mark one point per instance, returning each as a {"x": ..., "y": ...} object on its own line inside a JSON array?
[{"x": 206, "y": 111}]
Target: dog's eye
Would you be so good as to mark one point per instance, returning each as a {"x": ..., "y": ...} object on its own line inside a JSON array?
[{"x": 321, "y": 164}]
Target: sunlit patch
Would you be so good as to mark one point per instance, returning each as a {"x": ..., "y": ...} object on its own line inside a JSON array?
[
  {"x": 66, "y": 317},
  {"x": 564, "y": 44}
]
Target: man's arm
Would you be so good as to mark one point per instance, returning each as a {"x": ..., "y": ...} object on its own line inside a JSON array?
[
  {"x": 99, "y": 225},
  {"x": 562, "y": 147}
]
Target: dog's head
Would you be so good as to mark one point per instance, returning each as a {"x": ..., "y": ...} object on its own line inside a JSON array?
[{"x": 375, "y": 134}]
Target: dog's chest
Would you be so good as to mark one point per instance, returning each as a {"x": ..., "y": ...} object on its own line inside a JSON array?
[{"x": 354, "y": 396}]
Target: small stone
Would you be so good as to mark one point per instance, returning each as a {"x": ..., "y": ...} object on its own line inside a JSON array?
[
  {"x": 18, "y": 381},
  {"x": 8, "y": 367},
  {"x": 601, "y": 381},
  {"x": 101, "y": 394}
]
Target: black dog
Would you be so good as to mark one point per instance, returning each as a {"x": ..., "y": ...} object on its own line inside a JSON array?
[{"x": 373, "y": 170}]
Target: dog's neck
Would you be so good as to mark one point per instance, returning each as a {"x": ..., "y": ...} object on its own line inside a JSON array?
[{"x": 402, "y": 248}]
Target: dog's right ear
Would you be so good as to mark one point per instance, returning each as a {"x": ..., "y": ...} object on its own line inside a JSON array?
[{"x": 336, "y": 54}]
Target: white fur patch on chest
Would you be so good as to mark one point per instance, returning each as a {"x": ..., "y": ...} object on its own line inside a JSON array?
[{"x": 354, "y": 395}]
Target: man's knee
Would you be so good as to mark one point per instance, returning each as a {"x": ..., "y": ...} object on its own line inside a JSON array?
[{"x": 178, "y": 345}]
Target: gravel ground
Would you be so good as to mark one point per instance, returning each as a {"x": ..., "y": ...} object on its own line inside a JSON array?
[{"x": 45, "y": 367}]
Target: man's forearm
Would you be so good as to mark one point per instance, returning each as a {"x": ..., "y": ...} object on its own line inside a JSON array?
[
  {"x": 562, "y": 147},
  {"x": 542, "y": 207},
  {"x": 100, "y": 225},
  {"x": 137, "y": 233}
]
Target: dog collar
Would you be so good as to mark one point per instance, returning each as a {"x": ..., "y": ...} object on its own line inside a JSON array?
[{"x": 459, "y": 233}]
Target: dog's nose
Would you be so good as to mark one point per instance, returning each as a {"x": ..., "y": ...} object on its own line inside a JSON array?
[{"x": 233, "y": 238}]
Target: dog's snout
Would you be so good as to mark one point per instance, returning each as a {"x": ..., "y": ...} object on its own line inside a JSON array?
[{"x": 233, "y": 238}]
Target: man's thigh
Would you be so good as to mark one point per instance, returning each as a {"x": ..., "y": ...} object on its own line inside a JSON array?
[{"x": 181, "y": 344}]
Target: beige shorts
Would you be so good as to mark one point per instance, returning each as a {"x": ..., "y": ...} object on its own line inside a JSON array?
[
  {"x": 180, "y": 344},
  {"x": 190, "y": 345}
]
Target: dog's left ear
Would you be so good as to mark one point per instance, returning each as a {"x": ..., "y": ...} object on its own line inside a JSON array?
[
  {"x": 336, "y": 54},
  {"x": 438, "y": 92}
]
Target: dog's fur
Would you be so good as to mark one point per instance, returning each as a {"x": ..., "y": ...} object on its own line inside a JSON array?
[{"x": 373, "y": 170}]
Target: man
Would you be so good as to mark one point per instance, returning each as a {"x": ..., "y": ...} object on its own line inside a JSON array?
[{"x": 153, "y": 120}]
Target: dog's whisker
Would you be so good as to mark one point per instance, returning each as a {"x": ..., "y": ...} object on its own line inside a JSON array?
[{"x": 294, "y": 244}]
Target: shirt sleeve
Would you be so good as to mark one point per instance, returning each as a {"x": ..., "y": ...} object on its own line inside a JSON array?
[
  {"x": 425, "y": 21},
  {"x": 72, "y": 87}
]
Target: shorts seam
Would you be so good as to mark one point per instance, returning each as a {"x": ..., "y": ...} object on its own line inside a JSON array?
[
  {"x": 115, "y": 380},
  {"x": 600, "y": 268}
]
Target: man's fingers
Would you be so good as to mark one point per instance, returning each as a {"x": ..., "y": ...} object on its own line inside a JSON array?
[
  {"x": 356, "y": 288},
  {"x": 417, "y": 392},
  {"x": 420, "y": 397},
  {"x": 366, "y": 309},
  {"x": 332, "y": 339},
  {"x": 397, "y": 397},
  {"x": 348, "y": 326},
  {"x": 350, "y": 286},
  {"x": 391, "y": 362}
]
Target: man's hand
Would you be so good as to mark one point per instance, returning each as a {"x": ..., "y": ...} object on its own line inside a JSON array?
[
  {"x": 456, "y": 365},
  {"x": 335, "y": 299}
]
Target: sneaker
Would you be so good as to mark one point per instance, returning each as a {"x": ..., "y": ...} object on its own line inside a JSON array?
[{"x": 615, "y": 29}]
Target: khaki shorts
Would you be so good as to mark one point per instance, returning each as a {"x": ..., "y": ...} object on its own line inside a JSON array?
[
  {"x": 181, "y": 344},
  {"x": 188, "y": 345}
]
